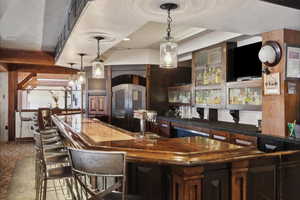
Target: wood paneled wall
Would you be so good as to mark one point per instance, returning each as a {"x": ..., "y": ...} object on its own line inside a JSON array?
[
  {"x": 158, "y": 81},
  {"x": 278, "y": 110}
]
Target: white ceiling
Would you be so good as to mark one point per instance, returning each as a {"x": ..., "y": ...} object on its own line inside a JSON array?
[
  {"x": 144, "y": 23},
  {"x": 31, "y": 24},
  {"x": 36, "y": 24}
]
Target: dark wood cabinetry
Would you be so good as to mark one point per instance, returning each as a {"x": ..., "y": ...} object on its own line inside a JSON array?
[
  {"x": 220, "y": 135},
  {"x": 149, "y": 181},
  {"x": 161, "y": 127},
  {"x": 243, "y": 140},
  {"x": 289, "y": 177},
  {"x": 216, "y": 184}
]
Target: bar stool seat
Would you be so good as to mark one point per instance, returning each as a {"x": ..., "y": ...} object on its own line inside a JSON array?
[{"x": 59, "y": 172}]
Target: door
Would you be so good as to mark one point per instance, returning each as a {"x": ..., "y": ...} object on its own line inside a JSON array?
[{"x": 127, "y": 98}]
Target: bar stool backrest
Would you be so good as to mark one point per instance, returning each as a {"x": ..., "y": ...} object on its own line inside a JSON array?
[
  {"x": 43, "y": 118},
  {"x": 98, "y": 163}
]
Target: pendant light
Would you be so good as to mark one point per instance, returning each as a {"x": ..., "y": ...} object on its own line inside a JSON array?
[
  {"x": 98, "y": 63},
  {"x": 72, "y": 79},
  {"x": 168, "y": 47},
  {"x": 81, "y": 74}
]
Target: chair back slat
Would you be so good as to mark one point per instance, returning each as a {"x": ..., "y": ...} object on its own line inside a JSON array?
[{"x": 99, "y": 163}]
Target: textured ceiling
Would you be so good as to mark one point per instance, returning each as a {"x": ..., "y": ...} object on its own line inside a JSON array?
[
  {"x": 31, "y": 24},
  {"x": 36, "y": 24},
  {"x": 144, "y": 22}
]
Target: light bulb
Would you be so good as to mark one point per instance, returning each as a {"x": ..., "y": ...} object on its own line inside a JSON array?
[
  {"x": 81, "y": 79},
  {"x": 71, "y": 83},
  {"x": 97, "y": 72},
  {"x": 168, "y": 59}
]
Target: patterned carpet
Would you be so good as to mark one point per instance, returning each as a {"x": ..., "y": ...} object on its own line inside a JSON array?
[{"x": 9, "y": 155}]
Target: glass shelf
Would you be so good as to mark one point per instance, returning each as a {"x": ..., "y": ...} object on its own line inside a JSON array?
[
  {"x": 180, "y": 95},
  {"x": 210, "y": 97}
]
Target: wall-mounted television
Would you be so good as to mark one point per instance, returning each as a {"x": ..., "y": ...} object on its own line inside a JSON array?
[{"x": 245, "y": 62}]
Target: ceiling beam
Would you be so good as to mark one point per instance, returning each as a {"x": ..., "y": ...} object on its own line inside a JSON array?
[
  {"x": 3, "y": 67},
  {"x": 26, "y": 57},
  {"x": 25, "y": 82},
  {"x": 42, "y": 69}
]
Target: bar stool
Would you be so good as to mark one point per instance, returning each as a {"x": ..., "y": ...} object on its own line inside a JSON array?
[
  {"x": 94, "y": 165},
  {"x": 23, "y": 120},
  {"x": 51, "y": 164}
]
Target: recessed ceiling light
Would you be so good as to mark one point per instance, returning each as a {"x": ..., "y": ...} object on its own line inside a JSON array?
[{"x": 126, "y": 39}]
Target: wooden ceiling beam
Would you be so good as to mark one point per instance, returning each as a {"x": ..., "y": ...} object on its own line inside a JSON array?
[
  {"x": 26, "y": 57},
  {"x": 32, "y": 82},
  {"x": 3, "y": 67},
  {"x": 42, "y": 69},
  {"x": 25, "y": 82}
]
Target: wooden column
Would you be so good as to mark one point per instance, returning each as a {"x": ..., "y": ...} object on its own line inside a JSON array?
[
  {"x": 12, "y": 104},
  {"x": 239, "y": 181},
  {"x": 187, "y": 183},
  {"x": 278, "y": 110}
]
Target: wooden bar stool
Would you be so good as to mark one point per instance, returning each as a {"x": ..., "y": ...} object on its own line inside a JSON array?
[{"x": 92, "y": 165}]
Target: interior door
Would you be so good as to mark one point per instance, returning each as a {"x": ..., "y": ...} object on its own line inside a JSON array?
[{"x": 127, "y": 98}]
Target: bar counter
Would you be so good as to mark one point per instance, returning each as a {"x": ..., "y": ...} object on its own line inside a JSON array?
[
  {"x": 190, "y": 151},
  {"x": 190, "y": 168}
]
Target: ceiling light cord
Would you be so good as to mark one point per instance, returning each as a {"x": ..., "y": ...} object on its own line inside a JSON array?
[
  {"x": 169, "y": 21},
  {"x": 81, "y": 69},
  {"x": 98, "y": 43}
]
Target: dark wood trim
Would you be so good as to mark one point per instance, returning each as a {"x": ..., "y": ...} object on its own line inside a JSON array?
[
  {"x": 148, "y": 85},
  {"x": 12, "y": 104},
  {"x": 26, "y": 57},
  {"x": 3, "y": 67},
  {"x": 25, "y": 82},
  {"x": 48, "y": 69}
]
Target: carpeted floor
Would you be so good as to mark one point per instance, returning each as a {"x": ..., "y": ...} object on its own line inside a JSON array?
[{"x": 9, "y": 155}]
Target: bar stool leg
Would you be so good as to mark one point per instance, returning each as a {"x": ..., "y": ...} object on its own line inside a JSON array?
[{"x": 45, "y": 189}]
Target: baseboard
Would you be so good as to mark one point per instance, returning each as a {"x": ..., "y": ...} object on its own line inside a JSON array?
[{"x": 25, "y": 139}]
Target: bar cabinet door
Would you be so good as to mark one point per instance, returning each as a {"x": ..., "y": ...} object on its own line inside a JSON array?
[{"x": 216, "y": 185}]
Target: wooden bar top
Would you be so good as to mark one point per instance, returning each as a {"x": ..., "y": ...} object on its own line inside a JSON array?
[{"x": 86, "y": 133}]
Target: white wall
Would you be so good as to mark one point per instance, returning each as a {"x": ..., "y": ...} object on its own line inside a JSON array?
[
  {"x": 26, "y": 127},
  {"x": 3, "y": 105}
]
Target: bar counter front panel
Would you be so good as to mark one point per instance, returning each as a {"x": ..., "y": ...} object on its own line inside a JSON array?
[{"x": 185, "y": 168}]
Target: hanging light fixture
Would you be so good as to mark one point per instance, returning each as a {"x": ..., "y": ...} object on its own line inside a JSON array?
[
  {"x": 81, "y": 74},
  {"x": 72, "y": 79},
  {"x": 98, "y": 63},
  {"x": 168, "y": 47}
]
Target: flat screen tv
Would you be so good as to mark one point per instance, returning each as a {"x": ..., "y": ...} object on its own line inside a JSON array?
[{"x": 245, "y": 62}]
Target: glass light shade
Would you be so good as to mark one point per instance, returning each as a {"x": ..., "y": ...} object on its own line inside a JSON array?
[
  {"x": 81, "y": 77},
  {"x": 72, "y": 80},
  {"x": 98, "y": 69},
  {"x": 71, "y": 83},
  {"x": 168, "y": 54},
  {"x": 267, "y": 54}
]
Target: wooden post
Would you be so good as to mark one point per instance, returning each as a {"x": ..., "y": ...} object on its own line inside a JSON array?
[
  {"x": 187, "y": 183},
  {"x": 278, "y": 110},
  {"x": 12, "y": 104}
]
